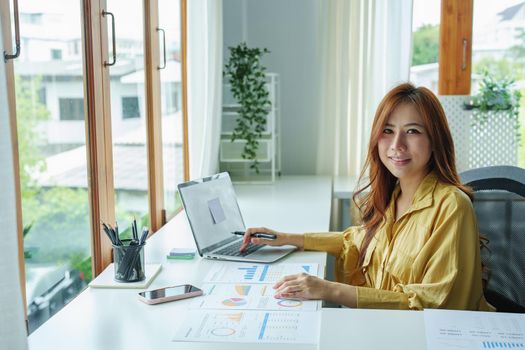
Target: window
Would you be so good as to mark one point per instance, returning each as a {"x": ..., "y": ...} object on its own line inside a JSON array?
[
  {"x": 128, "y": 131},
  {"x": 171, "y": 99},
  {"x": 53, "y": 165},
  {"x": 60, "y": 229},
  {"x": 42, "y": 95},
  {"x": 130, "y": 107},
  {"x": 56, "y": 54},
  {"x": 424, "y": 67},
  {"x": 31, "y": 18},
  {"x": 171, "y": 95},
  {"x": 71, "y": 108}
]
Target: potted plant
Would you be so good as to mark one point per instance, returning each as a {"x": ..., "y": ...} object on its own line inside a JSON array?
[
  {"x": 496, "y": 95},
  {"x": 247, "y": 79}
]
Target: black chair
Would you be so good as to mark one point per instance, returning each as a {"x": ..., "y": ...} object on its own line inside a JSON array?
[{"x": 499, "y": 201}]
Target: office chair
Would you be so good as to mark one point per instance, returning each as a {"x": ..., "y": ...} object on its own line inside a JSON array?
[{"x": 499, "y": 202}]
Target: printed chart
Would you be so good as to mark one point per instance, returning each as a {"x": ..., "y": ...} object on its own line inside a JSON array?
[
  {"x": 256, "y": 273},
  {"x": 250, "y": 327},
  {"x": 447, "y": 329},
  {"x": 244, "y": 296}
]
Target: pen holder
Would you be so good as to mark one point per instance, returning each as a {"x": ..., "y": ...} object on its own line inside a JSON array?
[{"x": 128, "y": 261}]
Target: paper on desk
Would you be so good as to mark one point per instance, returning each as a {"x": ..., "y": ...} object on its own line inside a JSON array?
[
  {"x": 244, "y": 296},
  {"x": 249, "y": 327},
  {"x": 471, "y": 330},
  {"x": 256, "y": 273}
]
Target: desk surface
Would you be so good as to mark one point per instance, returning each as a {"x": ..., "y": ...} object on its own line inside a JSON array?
[
  {"x": 344, "y": 186},
  {"x": 101, "y": 319},
  {"x": 115, "y": 319},
  {"x": 372, "y": 329}
]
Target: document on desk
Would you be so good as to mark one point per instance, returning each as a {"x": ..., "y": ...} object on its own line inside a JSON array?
[
  {"x": 256, "y": 273},
  {"x": 245, "y": 296},
  {"x": 250, "y": 327},
  {"x": 446, "y": 329}
]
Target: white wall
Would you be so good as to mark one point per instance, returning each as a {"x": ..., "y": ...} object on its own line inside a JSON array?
[{"x": 290, "y": 30}]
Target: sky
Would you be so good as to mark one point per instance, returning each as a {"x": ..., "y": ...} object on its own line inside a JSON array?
[{"x": 485, "y": 11}]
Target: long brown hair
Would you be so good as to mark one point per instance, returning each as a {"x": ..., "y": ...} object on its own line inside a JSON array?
[{"x": 381, "y": 183}]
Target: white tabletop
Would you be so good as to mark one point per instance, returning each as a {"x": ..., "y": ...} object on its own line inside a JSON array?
[
  {"x": 115, "y": 319},
  {"x": 344, "y": 186},
  {"x": 292, "y": 204},
  {"x": 372, "y": 329}
]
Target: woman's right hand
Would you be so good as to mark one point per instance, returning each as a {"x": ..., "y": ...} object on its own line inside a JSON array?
[{"x": 281, "y": 238}]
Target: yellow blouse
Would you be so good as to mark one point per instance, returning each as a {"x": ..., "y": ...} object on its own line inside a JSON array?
[{"x": 429, "y": 258}]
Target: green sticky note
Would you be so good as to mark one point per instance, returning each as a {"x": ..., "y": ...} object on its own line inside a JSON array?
[{"x": 180, "y": 257}]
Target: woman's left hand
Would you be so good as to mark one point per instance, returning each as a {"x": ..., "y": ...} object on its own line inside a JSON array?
[{"x": 301, "y": 286}]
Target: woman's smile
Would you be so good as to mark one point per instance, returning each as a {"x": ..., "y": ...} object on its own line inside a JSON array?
[{"x": 399, "y": 161}]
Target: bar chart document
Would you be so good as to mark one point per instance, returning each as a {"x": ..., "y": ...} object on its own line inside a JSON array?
[
  {"x": 250, "y": 327},
  {"x": 474, "y": 330},
  {"x": 256, "y": 273},
  {"x": 246, "y": 296}
]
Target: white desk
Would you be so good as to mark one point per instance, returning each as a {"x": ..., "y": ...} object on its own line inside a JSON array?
[
  {"x": 343, "y": 190},
  {"x": 372, "y": 329},
  {"x": 344, "y": 186},
  {"x": 114, "y": 319}
]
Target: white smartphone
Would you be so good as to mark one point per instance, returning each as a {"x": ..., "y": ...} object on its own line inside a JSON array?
[{"x": 163, "y": 295}]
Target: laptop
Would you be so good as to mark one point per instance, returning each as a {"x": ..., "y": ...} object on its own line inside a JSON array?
[{"x": 213, "y": 213}]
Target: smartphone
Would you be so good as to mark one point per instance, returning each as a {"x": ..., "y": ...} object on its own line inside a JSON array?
[{"x": 163, "y": 295}]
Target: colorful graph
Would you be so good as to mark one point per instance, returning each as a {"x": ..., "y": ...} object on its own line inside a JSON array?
[
  {"x": 263, "y": 327},
  {"x": 242, "y": 289},
  {"x": 236, "y": 317},
  {"x": 250, "y": 272},
  {"x": 502, "y": 345},
  {"x": 223, "y": 332},
  {"x": 233, "y": 302},
  {"x": 264, "y": 272},
  {"x": 263, "y": 290},
  {"x": 289, "y": 303}
]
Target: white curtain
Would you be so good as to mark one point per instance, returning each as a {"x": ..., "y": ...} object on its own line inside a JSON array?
[
  {"x": 204, "y": 85},
  {"x": 366, "y": 52},
  {"x": 12, "y": 326}
]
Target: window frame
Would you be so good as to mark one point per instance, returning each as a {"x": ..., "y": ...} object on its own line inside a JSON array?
[
  {"x": 455, "y": 47},
  {"x": 5, "y": 13}
]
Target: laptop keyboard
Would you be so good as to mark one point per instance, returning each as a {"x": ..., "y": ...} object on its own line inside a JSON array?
[{"x": 233, "y": 249}]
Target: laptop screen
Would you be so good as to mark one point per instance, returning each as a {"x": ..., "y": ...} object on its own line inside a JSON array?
[{"x": 212, "y": 210}]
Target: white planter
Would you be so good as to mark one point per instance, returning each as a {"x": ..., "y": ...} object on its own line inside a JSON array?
[{"x": 493, "y": 143}]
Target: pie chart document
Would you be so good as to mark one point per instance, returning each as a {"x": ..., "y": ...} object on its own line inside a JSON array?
[
  {"x": 238, "y": 305},
  {"x": 250, "y": 327},
  {"x": 245, "y": 296}
]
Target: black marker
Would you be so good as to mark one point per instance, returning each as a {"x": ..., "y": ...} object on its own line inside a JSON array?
[{"x": 257, "y": 235}]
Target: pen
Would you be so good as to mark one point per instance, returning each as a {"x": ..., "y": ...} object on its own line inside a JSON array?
[
  {"x": 257, "y": 235},
  {"x": 134, "y": 230},
  {"x": 144, "y": 235},
  {"x": 109, "y": 233}
]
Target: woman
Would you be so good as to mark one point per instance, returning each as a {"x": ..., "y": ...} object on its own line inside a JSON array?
[{"x": 418, "y": 246}]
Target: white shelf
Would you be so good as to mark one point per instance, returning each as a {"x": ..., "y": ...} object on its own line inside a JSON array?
[
  {"x": 268, "y": 154},
  {"x": 231, "y": 151}
]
